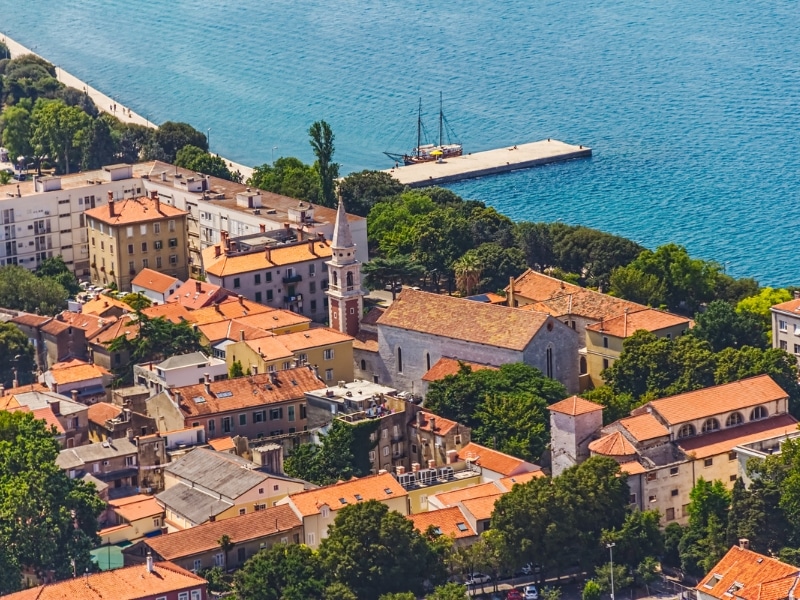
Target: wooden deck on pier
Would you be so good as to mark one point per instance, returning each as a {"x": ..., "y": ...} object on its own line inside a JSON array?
[{"x": 480, "y": 164}]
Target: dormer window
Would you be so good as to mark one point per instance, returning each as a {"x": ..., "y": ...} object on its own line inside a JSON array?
[
  {"x": 758, "y": 413},
  {"x": 325, "y": 512},
  {"x": 710, "y": 425},
  {"x": 734, "y": 419},
  {"x": 714, "y": 580},
  {"x": 687, "y": 430}
]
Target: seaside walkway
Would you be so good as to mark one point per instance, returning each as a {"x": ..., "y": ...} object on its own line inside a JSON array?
[
  {"x": 102, "y": 101},
  {"x": 480, "y": 164}
]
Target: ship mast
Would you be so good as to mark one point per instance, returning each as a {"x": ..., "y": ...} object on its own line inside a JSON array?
[
  {"x": 419, "y": 125},
  {"x": 441, "y": 118}
]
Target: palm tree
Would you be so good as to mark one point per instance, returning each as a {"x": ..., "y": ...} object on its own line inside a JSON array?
[
  {"x": 226, "y": 545},
  {"x": 468, "y": 271}
]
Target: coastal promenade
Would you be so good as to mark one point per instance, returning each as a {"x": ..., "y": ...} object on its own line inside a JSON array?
[
  {"x": 491, "y": 162},
  {"x": 103, "y": 102}
]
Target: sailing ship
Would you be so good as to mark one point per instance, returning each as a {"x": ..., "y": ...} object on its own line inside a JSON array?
[{"x": 430, "y": 152}]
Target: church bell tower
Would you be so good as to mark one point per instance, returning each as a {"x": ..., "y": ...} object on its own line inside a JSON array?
[{"x": 345, "y": 296}]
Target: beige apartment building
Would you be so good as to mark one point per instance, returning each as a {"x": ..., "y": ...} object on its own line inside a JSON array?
[{"x": 134, "y": 234}]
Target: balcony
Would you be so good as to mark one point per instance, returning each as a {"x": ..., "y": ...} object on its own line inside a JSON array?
[{"x": 292, "y": 279}]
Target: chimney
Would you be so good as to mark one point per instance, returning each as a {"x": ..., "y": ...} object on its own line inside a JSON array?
[
  {"x": 414, "y": 467},
  {"x": 320, "y": 236},
  {"x": 241, "y": 299},
  {"x": 431, "y": 464},
  {"x": 150, "y": 364},
  {"x": 311, "y": 246},
  {"x": 299, "y": 233},
  {"x": 224, "y": 237},
  {"x": 625, "y": 323},
  {"x": 198, "y": 285},
  {"x": 315, "y": 369},
  {"x": 55, "y": 406},
  {"x": 419, "y": 420},
  {"x": 263, "y": 228},
  {"x": 126, "y": 415},
  {"x": 207, "y": 383},
  {"x": 273, "y": 377},
  {"x": 74, "y": 395},
  {"x": 156, "y": 200},
  {"x": 149, "y": 563},
  {"x": 268, "y": 253},
  {"x": 511, "y": 298},
  {"x": 217, "y": 251},
  {"x": 253, "y": 370},
  {"x": 129, "y": 434},
  {"x": 241, "y": 335},
  {"x": 432, "y": 419},
  {"x": 400, "y": 469},
  {"x": 288, "y": 228},
  {"x": 111, "y": 204},
  {"x": 177, "y": 397},
  {"x": 452, "y": 456}
]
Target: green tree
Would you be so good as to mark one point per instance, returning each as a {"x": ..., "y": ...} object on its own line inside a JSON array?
[
  {"x": 226, "y": 544},
  {"x": 338, "y": 591},
  {"x": 514, "y": 423},
  {"x": 98, "y": 146},
  {"x": 218, "y": 581},
  {"x": 499, "y": 265},
  {"x": 236, "y": 370},
  {"x": 390, "y": 225},
  {"x": 137, "y": 301},
  {"x": 283, "y": 572},
  {"x": 622, "y": 577},
  {"x": 289, "y": 177},
  {"x": 361, "y": 191},
  {"x": 196, "y": 159},
  {"x": 760, "y": 304},
  {"x": 536, "y": 243},
  {"x": 398, "y": 596},
  {"x": 16, "y": 352},
  {"x": 375, "y": 551},
  {"x": 22, "y": 290},
  {"x": 591, "y": 590},
  {"x": 468, "y": 271},
  {"x": 756, "y": 515},
  {"x": 673, "y": 533},
  {"x": 616, "y": 406},
  {"x": 16, "y": 121},
  {"x": 449, "y": 591},
  {"x": 170, "y": 137},
  {"x": 639, "y": 536},
  {"x": 342, "y": 454},
  {"x": 321, "y": 139},
  {"x": 632, "y": 284},
  {"x": 703, "y": 543},
  {"x": 391, "y": 271},
  {"x": 56, "y": 269},
  {"x": 724, "y": 327},
  {"x": 48, "y": 519},
  {"x": 60, "y": 130}
]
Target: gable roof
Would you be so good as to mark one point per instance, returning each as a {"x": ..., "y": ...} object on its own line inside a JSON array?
[
  {"x": 135, "y": 210},
  {"x": 174, "y": 312},
  {"x": 791, "y": 306},
  {"x": 240, "y": 529},
  {"x": 613, "y": 444},
  {"x": 225, "y": 474},
  {"x": 725, "y": 440},
  {"x": 448, "y": 521},
  {"x": 501, "y": 463},
  {"x": 191, "y": 503},
  {"x": 644, "y": 427},
  {"x": 47, "y": 415},
  {"x": 136, "y": 507},
  {"x": 749, "y": 570},
  {"x": 372, "y": 487},
  {"x": 461, "y": 319},
  {"x": 77, "y": 457},
  {"x": 246, "y": 392},
  {"x": 75, "y": 372},
  {"x": 227, "y": 265},
  {"x": 154, "y": 281},
  {"x": 195, "y": 294},
  {"x": 508, "y": 483},
  {"x": 41, "y": 399},
  {"x": 480, "y": 508},
  {"x": 123, "y": 326},
  {"x": 101, "y": 412},
  {"x": 230, "y": 308},
  {"x": 90, "y": 324},
  {"x": 574, "y": 406},
  {"x": 718, "y": 399},
  {"x": 451, "y": 366},
  {"x": 467, "y": 493},
  {"x": 313, "y": 338},
  {"x": 102, "y": 304},
  {"x": 422, "y": 421},
  {"x": 538, "y": 286},
  {"x": 127, "y": 583},
  {"x": 649, "y": 319}
]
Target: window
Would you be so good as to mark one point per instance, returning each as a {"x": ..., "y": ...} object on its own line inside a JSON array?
[
  {"x": 686, "y": 431},
  {"x": 312, "y": 270},
  {"x": 198, "y": 564},
  {"x": 269, "y": 295},
  {"x": 313, "y": 306},
  {"x": 632, "y": 499},
  {"x": 713, "y": 581},
  {"x": 173, "y": 259},
  {"x": 782, "y": 325},
  {"x": 241, "y": 555},
  {"x": 605, "y": 364},
  {"x": 242, "y": 419},
  {"x": 399, "y": 360},
  {"x": 173, "y": 242},
  {"x": 258, "y": 297},
  {"x": 227, "y": 425},
  {"x": 196, "y": 595},
  {"x": 275, "y": 414},
  {"x": 156, "y": 227},
  {"x": 143, "y": 229},
  {"x": 674, "y": 492},
  {"x": 172, "y": 225},
  {"x": 260, "y": 507},
  {"x": 276, "y": 487},
  {"x": 237, "y": 282},
  {"x": 183, "y": 596},
  {"x": 259, "y": 416},
  {"x": 328, "y": 374},
  {"x": 158, "y": 262},
  {"x": 670, "y": 514},
  {"x": 605, "y": 342},
  {"x": 673, "y": 471},
  {"x": 364, "y": 365},
  {"x": 414, "y": 448},
  {"x": 758, "y": 413},
  {"x": 708, "y": 462},
  {"x": 158, "y": 244},
  {"x": 130, "y": 231},
  {"x": 652, "y": 476},
  {"x": 311, "y": 539},
  {"x": 652, "y": 498},
  {"x": 268, "y": 276},
  {"x": 219, "y": 559},
  {"x": 242, "y": 511},
  {"x": 549, "y": 362},
  {"x": 130, "y": 461},
  {"x": 257, "y": 279},
  {"x": 312, "y": 287},
  {"x": 131, "y": 265},
  {"x": 732, "y": 455},
  {"x": 784, "y": 345},
  {"x": 144, "y": 246},
  {"x": 732, "y": 477},
  {"x": 734, "y": 419},
  {"x": 102, "y": 245},
  {"x": 328, "y": 354},
  {"x": 710, "y": 425},
  {"x": 372, "y": 456}
]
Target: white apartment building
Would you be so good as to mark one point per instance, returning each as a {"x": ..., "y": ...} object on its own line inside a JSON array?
[
  {"x": 44, "y": 217},
  {"x": 786, "y": 326}
]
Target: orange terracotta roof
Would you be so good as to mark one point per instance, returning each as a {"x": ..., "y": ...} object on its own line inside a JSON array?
[
  {"x": 136, "y": 507},
  {"x": 90, "y": 324},
  {"x": 366, "y": 341},
  {"x": 451, "y": 366},
  {"x": 127, "y": 583},
  {"x": 644, "y": 427},
  {"x": 222, "y": 444},
  {"x": 135, "y": 210},
  {"x": 468, "y": 493},
  {"x": 725, "y": 440},
  {"x": 505, "y": 464},
  {"x": 9, "y": 402},
  {"x": 101, "y": 412},
  {"x": 718, "y": 399},
  {"x": 76, "y": 373},
  {"x": 510, "y": 482},
  {"x": 54, "y": 327},
  {"x": 792, "y": 306},
  {"x": 480, "y": 508},
  {"x": 30, "y": 320},
  {"x": 372, "y": 487},
  {"x": 47, "y": 415},
  {"x": 100, "y": 305},
  {"x": 649, "y": 319},
  {"x": 246, "y": 392},
  {"x": 154, "y": 281},
  {"x": 233, "y": 264},
  {"x": 230, "y": 329},
  {"x": 372, "y": 316},
  {"x": 613, "y": 444},
  {"x": 124, "y": 326},
  {"x": 461, "y": 319},
  {"x": 171, "y": 311},
  {"x": 22, "y": 389},
  {"x": 274, "y": 319},
  {"x": 745, "y": 568},
  {"x": 269, "y": 347},
  {"x": 443, "y": 426},
  {"x": 240, "y": 529},
  {"x": 197, "y": 294},
  {"x": 230, "y": 308},
  {"x": 447, "y": 521},
  {"x": 538, "y": 286},
  {"x": 575, "y": 405},
  {"x": 313, "y": 338},
  {"x": 632, "y": 467}
]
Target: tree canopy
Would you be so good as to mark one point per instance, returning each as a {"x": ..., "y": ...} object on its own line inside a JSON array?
[
  {"x": 289, "y": 177},
  {"x": 16, "y": 352},
  {"x": 282, "y": 572},
  {"x": 197, "y": 159},
  {"x": 21, "y": 290},
  {"x": 363, "y": 190},
  {"x": 321, "y": 139}
]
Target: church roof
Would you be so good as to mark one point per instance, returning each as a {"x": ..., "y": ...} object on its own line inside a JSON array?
[{"x": 342, "y": 238}]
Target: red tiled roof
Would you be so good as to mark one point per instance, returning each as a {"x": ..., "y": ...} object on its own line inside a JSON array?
[
  {"x": 749, "y": 570},
  {"x": 792, "y": 306},
  {"x": 123, "y": 326},
  {"x": 447, "y": 521},
  {"x": 136, "y": 507},
  {"x": 226, "y": 265},
  {"x": 366, "y": 341},
  {"x": 127, "y": 583},
  {"x": 510, "y": 482},
  {"x": 30, "y": 320},
  {"x": 718, "y": 399},
  {"x": 372, "y": 487},
  {"x": 230, "y": 308},
  {"x": 725, "y": 440},
  {"x": 240, "y": 529},
  {"x": 101, "y": 412},
  {"x": 613, "y": 444},
  {"x": 644, "y": 427},
  {"x": 222, "y": 444},
  {"x": 451, "y": 366},
  {"x": 372, "y": 316},
  {"x": 575, "y": 405},
  {"x": 649, "y": 319},
  {"x": 135, "y": 210},
  {"x": 75, "y": 373},
  {"x": 443, "y": 426},
  {"x": 505, "y": 464},
  {"x": 171, "y": 311},
  {"x": 154, "y": 281},
  {"x": 101, "y": 305},
  {"x": 474, "y": 491},
  {"x": 90, "y": 324},
  {"x": 47, "y": 415},
  {"x": 480, "y": 508},
  {"x": 197, "y": 294}
]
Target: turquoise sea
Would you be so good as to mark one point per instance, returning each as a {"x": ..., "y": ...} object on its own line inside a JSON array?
[{"x": 691, "y": 107}]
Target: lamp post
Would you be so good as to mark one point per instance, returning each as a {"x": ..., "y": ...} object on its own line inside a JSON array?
[{"x": 610, "y": 547}]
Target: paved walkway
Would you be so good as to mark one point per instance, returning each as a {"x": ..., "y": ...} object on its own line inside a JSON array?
[{"x": 104, "y": 103}]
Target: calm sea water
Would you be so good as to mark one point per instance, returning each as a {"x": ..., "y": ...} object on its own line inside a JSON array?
[{"x": 691, "y": 107}]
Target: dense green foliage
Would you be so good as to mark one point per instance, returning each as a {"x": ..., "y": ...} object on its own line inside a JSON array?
[
  {"x": 47, "y": 519},
  {"x": 21, "y": 289},
  {"x": 321, "y": 139},
  {"x": 289, "y": 177},
  {"x": 392, "y": 271},
  {"x": 52, "y": 125},
  {"x": 506, "y": 408},
  {"x": 137, "y": 301},
  {"x": 16, "y": 352},
  {"x": 283, "y": 572},
  {"x": 197, "y": 159},
  {"x": 723, "y": 326}
]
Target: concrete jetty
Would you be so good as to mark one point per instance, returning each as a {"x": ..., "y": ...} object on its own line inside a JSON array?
[
  {"x": 104, "y": 103},
  {"x": 491, "y": 162}
]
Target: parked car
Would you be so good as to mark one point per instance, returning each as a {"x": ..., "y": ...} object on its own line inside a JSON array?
[
  {"x": 514, "y": 594},
  {"x": 478, "y": 579},
  {"x": 529, "y": 592},
  {"x": 398, "y": 287}
]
